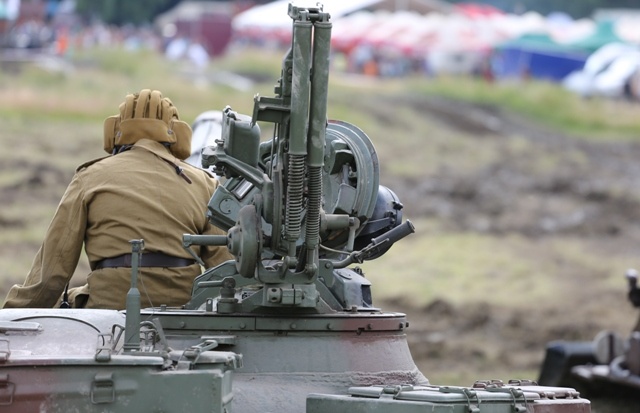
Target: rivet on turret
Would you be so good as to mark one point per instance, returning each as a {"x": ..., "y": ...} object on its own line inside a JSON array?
[
  {"x": 293, "y": 326},
  {"x": 242, "y": 326},
  {"x": 329, "y": 326}
]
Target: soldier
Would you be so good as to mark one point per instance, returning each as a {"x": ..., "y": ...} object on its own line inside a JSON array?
[{"x": 142, "y": 190}]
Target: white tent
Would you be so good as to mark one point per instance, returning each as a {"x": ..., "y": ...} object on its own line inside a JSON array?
[
  {"x": 350, "y": 30},
  {"x": 274, "y": 15}
]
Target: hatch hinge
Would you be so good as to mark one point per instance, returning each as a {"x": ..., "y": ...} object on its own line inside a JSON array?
[
  {"x": 5, "y": 350},
  {"x": 103, "y": 389},
  {"x": 473, "y": 400},
  {"x": 518, "y": 398},
  {"x": 395, "y": 390},
  {"x": 192, "y": 354}
]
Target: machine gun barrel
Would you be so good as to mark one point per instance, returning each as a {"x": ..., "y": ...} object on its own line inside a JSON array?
[{"x": 189, "y": 239}]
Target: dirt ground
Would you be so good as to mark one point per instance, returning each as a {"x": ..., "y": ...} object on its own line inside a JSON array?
[
  {"x": 589, "y": 193},
  {"x": 502, "y": 176}
]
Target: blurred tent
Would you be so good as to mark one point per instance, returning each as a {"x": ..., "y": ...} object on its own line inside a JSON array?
[
  {"x": 476, "y": 10},
  {"x": 206, "y": 23},
  {"x": 3, "y": 19},
  {"x": 11, "y": 9},
  {"x": 420, "y": 37},
  {"x": 440, "y": 37},
  {"x": 604, "y": 34},
  {"x": 537, "y": 55},
  {"x": 268, "y": 24},
  {"x": 627, "y": 28},
  {"x": 349, "y": 31},
  {"x": 390, "y": 26}
]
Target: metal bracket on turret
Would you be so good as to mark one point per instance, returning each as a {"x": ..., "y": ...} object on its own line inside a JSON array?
[
  {"x": 4, "y": 353},
  {"x": 191, "y": 355},
  {"x": 104, "y": 347},
  {"x": 473, "y": 400}
]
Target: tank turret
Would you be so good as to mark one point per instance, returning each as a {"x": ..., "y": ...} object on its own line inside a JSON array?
[{"x": 290, "y": 324}]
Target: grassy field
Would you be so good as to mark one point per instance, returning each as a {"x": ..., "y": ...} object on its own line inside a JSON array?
[{"x": 504, "y": 293}]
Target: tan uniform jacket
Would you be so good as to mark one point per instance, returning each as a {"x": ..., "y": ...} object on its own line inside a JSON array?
[{"x": 133, "y": 195}]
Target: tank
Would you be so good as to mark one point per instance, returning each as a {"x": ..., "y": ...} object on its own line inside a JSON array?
[
  {"x": 290, "y": 324},
  {"x": 608, "y": 367}
]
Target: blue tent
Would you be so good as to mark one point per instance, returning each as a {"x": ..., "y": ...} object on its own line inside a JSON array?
[{"x": 537, "y": 56}]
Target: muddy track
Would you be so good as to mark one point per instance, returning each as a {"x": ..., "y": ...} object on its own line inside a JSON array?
[
  {"x": 595, "y": 191},
  {"x": 543, "y": 186}
]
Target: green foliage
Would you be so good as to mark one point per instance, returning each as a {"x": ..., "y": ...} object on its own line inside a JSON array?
[
  {"x": 120, "y": 12},
  {"x": 577, "y": 9},
  {"x": 543, "y": 102}
]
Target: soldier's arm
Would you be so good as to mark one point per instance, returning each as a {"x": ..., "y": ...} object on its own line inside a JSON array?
[{"x": 58, "y": 256}]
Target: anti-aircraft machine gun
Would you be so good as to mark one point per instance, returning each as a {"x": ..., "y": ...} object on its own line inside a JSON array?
[
  {"x": 296, "y": 206},
  {"x": 288, "y": 326}
]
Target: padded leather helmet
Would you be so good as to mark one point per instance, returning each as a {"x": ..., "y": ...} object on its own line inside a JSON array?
[{"x": 148, "y": 115}]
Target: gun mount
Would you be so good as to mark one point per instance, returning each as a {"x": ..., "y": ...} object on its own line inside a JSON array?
[{"x": 308, "y": 201}]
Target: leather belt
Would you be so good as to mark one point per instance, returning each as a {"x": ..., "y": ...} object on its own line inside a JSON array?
[{"x": 149, "y": 259}]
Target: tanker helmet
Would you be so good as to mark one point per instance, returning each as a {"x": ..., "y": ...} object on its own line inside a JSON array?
[{"x": 148, "y": 115}]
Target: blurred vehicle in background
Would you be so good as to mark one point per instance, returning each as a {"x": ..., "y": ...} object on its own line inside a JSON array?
[
  {"x": 608, "y": 366},
  {"x": 609, "y": 72}
]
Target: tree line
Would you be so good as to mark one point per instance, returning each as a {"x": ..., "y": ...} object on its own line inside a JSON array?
[
  {"x": 119, "y": 12},
  {"x": 575, "y": 8}
]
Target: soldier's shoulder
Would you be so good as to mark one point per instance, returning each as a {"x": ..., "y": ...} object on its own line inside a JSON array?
[{"x": 91, "y": 162}]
